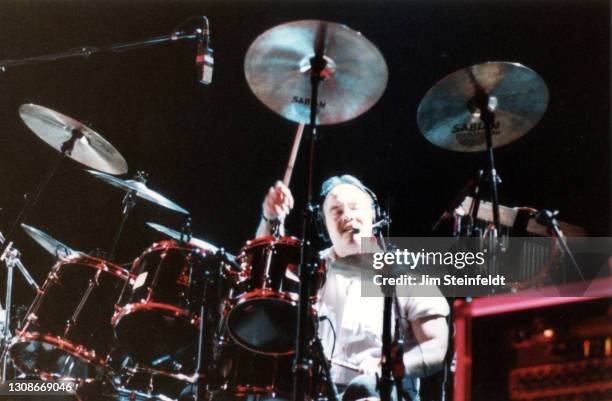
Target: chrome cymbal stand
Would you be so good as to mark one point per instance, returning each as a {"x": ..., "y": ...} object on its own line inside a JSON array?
[{"x": 11, "y": 258}]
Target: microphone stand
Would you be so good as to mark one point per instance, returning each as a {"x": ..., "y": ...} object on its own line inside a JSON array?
[
  {"x": 303, "y": 364},
  {"x": 549, "y": 218},
  {"x": 86, "y": 51}
]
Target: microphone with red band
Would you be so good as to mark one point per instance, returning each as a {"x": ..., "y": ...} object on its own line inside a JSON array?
[{"x": 204, "y": 55}]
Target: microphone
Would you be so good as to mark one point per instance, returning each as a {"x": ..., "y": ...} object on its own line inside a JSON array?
[{"x": 204, "y": 55}]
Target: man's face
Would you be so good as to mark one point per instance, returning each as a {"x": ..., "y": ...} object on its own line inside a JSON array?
[{"x": 348, "y": 209}]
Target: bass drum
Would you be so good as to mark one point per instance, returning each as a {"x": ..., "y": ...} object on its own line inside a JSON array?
[{"x": 67, "y": 331}]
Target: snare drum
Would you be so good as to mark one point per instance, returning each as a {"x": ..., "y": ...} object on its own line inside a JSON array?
[
  {"x": 263, "y": 317},
  {"x": 158, "y": 324},
  {"x": 67, "y": 331}
]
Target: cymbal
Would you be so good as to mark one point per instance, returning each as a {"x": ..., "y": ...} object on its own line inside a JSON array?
[
  {"x": 177, "y": 236},
  {"x": 141, "y": 190},
  {"x": 57, "y": 129},
  {"x": 277, "y": 69},
  {"x": 50, "y": 244},
  {"x": 447, "y": 118}
]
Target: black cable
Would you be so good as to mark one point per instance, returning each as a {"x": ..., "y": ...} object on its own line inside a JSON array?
[{"x": 331, "y": 326}]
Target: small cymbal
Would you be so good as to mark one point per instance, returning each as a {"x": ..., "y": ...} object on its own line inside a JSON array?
[
  {"x": 177, "y": 236},
  {"x": 57, "y": 129},
  {"x": 141, "y": 190},
  {"x": 277, "y": 69},
  {"x": 50, "y": 244},
  {"x": 447, "y": 117}
]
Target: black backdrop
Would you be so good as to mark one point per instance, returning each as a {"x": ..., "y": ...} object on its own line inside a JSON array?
[{"x": 215, "y": 149}]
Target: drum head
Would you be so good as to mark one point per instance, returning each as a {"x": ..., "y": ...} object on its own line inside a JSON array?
[
  {"x": 158, "y": 337},
  {"x": 265, "y": 325},
  {"x": 52, "y": 359}
]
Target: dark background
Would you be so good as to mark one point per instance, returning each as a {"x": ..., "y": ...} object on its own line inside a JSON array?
[{"x": 216, "y": 149}]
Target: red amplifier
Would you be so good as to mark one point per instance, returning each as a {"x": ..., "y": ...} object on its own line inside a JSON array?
[{"x": 533, "y": 348}]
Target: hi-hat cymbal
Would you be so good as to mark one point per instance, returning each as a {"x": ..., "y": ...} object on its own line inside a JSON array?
[
  {"x": 141, "y": 190},
  {"x": 277, "y": 68},
  {"x": 50, "y": 244},
  {"x": 57, "y": 129},
  {"x": 447, "y": 117}
]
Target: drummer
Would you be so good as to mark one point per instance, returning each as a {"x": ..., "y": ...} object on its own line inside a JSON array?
[{"x": 348, "y": 213}]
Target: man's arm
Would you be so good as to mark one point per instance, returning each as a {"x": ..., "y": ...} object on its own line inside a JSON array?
[
  {"x": 276, "y": 206},
  {"x": 428, "y": 356}
]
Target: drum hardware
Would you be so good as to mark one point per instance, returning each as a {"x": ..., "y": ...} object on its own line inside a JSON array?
[{"x": 11, "y": 259}]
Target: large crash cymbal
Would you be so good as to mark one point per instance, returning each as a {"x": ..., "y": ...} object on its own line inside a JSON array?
[
  {"x": 57, "y": 130},
  {"x": 277, "y": 68},
  {"x": 140, "y": 189},
  {"x": 447, "y": 117},
  {"x": 50, "y": 244}
]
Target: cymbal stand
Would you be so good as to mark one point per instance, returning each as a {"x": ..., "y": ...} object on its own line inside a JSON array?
[
  {"x": 332, "y": 390},
  {"x": 10, "y": 257},
  {"x": 128, "y": 202},
  {"x": 486, "y": 104},
  {"x": 303, "y": 364}
]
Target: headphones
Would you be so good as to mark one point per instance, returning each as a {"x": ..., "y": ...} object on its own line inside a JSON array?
[{"x": 379, "y": 220}]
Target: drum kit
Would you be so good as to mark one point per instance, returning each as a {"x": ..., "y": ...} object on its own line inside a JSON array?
[{"x": 187, "y": 314}]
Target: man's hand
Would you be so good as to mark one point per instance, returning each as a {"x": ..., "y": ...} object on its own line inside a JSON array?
[{"x": 278, "y": 202}]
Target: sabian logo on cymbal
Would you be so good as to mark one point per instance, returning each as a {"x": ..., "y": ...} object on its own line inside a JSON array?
[
  {"x": 306, "y": 101},
  {"x": 479, "y": 126},
  {"x": 473, "y": 134}
]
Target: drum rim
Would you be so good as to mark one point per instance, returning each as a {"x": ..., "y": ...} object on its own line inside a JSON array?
[
  {"x": 95, "y": 263},
  {"x": 79, "y": 351},
  {"x": 270, "y": 239},
  {"x": 130, "y": 308},
  {"x": 165, "y": 245}
]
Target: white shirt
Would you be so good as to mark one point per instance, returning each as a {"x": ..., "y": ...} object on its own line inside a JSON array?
[{"x": 358, "y": 320}]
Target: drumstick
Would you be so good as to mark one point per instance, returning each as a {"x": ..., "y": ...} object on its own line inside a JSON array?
[
  {"x": 293, "y": 155},
  {"x": 346, "y": 365}
]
